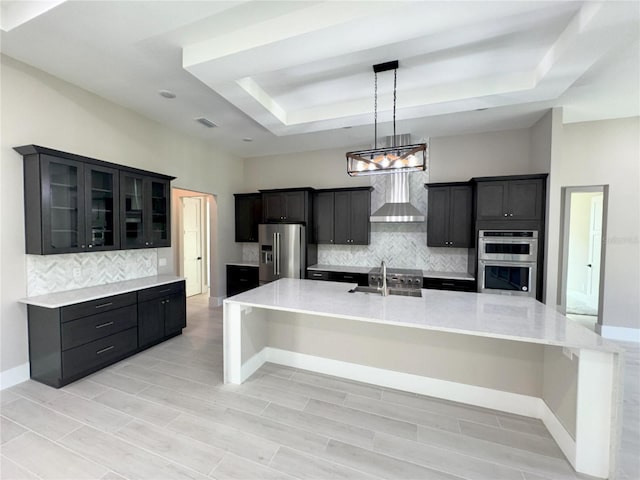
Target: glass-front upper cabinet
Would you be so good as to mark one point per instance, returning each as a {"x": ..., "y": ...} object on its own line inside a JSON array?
[
  {"x": 63, "y": 213},
  {"x": 145, "y": 211},
  {"x": 101, "y": 200},
  {"x": 160, "y": 210},
  {"x": 132, "y": 208}
]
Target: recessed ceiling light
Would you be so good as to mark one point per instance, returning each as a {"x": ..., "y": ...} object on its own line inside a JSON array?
[
  {"x": 247, "y": 139},
  {"x": 167, "y": 94}
]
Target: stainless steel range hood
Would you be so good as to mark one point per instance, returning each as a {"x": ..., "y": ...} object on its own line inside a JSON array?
[{"x": 397, "y": 208}]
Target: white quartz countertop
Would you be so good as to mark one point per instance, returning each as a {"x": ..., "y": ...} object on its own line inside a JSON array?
[
  {"x": 70, "y": 297},
  {"x": 425, "y": 273},
  {"x": 488, "y": 315},
  {"x": 244, "y": 264}
]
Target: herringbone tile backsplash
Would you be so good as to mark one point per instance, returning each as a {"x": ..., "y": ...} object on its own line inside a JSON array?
[
  {"x": 401, "y": 245},
  {"x": 55, "y": 273}
]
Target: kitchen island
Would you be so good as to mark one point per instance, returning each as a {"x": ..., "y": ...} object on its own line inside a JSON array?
[{"x": 507, "y": 353}]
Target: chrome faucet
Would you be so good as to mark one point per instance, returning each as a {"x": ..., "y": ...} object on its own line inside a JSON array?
[{"x": 383, "y": 272}]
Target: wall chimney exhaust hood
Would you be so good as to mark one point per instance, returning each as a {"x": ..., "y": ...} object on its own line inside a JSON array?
[{"x": 397, "y": 207}]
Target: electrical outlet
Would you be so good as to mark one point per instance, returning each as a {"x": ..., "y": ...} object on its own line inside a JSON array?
[
  {"x": 162, "y": 262},
  {"x": 77, "y": 273}
]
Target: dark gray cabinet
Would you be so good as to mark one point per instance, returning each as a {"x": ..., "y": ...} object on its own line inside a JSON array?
[
  {"x": 510, "y": 198},
  {"x": 161, "y": 313},
  {"x": 145, "y": 211},
  {"x": 341, "y": 216},
  {"x": 80, "y": 204},
  {"x": 455, "y": 285},
  {"x": 450, "y": 215},
  {"x": 323, "y": 204},
  {"x": 248, "y": 214},
  {"x": 285, "y": 205},
  {"x": 345, "y": 277},
  {"x": 70, "y": 342},
  {"x": 241, "y": 278},
  {"x": 70, "y": 206}
]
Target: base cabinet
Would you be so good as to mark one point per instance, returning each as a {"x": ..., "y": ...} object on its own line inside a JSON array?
[
  {"x": 70, "y": 342},
  {"x": 161, "y": 313},
  {"x": 241, "y": 278}
]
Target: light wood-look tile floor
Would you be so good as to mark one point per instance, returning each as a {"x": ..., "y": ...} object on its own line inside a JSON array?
[{"x": 165, "y": 414}]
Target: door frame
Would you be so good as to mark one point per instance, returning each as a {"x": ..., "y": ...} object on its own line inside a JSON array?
[
  {"x": 564, "y": 245},
  {"x": 209, "y": 230}
]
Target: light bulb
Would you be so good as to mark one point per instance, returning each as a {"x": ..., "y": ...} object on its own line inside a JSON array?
[
  {"x": 384, "y": 162},
  {"x": 397, "y": 164},
  {"x": 413, "y": 161},
  {"x": 372, "y": 166},
  {"x": 360, "y": 166}
]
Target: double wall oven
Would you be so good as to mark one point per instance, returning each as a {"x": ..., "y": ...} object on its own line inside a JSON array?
[{"x": 508, "y": 262}]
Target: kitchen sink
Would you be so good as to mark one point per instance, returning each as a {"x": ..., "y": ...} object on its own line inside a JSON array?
[{"x": 406, "y": 292}]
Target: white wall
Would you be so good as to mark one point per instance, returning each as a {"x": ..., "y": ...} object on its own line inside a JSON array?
[
  {"x": 456, "y": 158},
  {"x": 40, "y": 109},
  {"x": 603, "y": 153}
]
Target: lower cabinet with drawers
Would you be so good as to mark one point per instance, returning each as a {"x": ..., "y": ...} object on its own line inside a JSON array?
[
  {"x": 456, "y": 285},
  {"x": 361, "y": 279},
  {"x": 241, "y": 278},
  {"x": 70, "y": 342}
]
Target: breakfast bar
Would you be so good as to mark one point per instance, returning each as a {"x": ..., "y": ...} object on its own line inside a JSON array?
[{"x": 512, "y": 354}]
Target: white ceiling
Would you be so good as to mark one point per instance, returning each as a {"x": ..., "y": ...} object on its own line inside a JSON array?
[{"x": 296, "y": 75}]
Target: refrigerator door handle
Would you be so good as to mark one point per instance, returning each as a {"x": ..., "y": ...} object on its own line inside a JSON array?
[
  {"x": 278, "y": 259},
  {"x": 275, "y": 253}
]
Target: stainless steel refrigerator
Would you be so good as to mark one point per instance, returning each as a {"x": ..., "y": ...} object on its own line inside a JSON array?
[{"x": 283, "y": 250}]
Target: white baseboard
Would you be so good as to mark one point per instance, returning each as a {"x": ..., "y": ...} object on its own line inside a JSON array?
[
  {"x": 564, "y": 440},
  {"x": 457, "y": 392},
  {"x": 254, "y": 363},
  {"x": 15, "y": 375},
  {"x": 624, "y": 334}
]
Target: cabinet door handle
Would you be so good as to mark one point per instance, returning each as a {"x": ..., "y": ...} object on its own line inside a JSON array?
[
  {"x": 90, "y": 246},
  {"x": 316, "y": 275},
  {"x": 166, "y": 301},
  {"x": 348, "y": 277},
  {"x": 511, "y": 214},
  {"x": 448, "y": 284},
  {"x": 165, "y": 290},
  {"x": 505, "y": 214},
  {"x": 105, "y": 350},
  {"x": 102, "y": 325},
  {"x": 102, "y": 305},
  {"x": 244, "y": 280}
]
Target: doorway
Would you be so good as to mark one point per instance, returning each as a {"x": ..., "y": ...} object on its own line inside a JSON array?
[
  {"x": 583, "y": 254},
  {"x": 194, "y": 252}
]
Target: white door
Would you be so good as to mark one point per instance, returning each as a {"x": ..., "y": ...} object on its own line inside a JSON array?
[
  {"x": 595, "y": 249},
  {"x": 192, "y": 243}
]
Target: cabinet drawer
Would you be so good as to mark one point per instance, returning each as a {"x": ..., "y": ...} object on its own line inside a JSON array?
[
  {"x": 359, "y": 278},
  {"x": 449, "y": 284},
  {"x": 99, "y": 352},
  {"x": 87, "y": 329},
  {"x": 317, "y": 275},
  {"x": 100, "y": 305},
  {"x": 161, "y": 291}
]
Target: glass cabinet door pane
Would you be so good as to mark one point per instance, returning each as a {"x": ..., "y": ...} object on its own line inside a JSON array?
[
  {"x": 64, "y": 206},
  {"x": 133, "y": 208},
  {"x": 159, "y": 213},
  {"x": 102, "y": 226}
]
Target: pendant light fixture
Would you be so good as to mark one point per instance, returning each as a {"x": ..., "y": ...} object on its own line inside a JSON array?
[{"x": 394, "y": 159}]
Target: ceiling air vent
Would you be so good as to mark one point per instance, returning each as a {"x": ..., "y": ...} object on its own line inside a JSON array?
[{"x": 206, "y": 122}]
